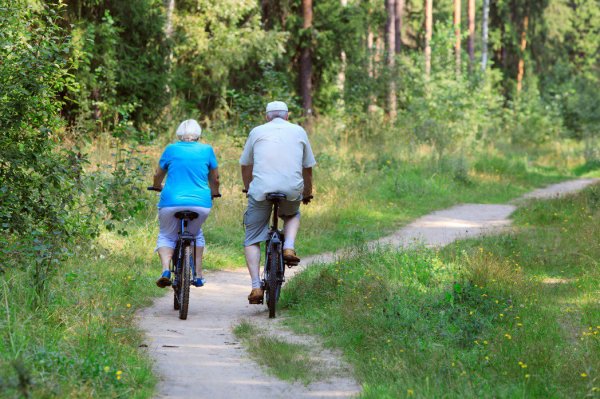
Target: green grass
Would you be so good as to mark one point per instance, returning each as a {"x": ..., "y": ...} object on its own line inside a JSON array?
[
  {"x": 61, "y": 346},
  {"x": 516, "y": 315},
  {"x": 287, "y": 361},
  {"x": 79, "y": 339}
]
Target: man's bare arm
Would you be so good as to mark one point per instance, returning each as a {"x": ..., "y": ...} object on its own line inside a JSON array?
[
  {"x": 159, "y": 176},
  {"x": 247, "y": 175},
  {"x": 308, "y": 186},
  {"x": 213, "y": 181}
]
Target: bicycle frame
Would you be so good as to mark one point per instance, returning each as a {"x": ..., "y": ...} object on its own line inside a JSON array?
[{"x": 185, "y": 239}]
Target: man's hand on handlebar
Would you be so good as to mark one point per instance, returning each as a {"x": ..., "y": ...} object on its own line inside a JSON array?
[{"x": 307, "y": 199}]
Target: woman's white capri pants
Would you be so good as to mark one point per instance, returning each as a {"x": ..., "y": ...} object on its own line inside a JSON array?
[{"x": 169, "y": 225}]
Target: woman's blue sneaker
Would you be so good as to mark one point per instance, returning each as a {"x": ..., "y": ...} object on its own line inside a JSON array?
[
  {"x": 164, "y": 280},
  {"x": 198, "y": 282}
]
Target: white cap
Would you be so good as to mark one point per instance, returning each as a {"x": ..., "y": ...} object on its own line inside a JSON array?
[
  {"x": 189, "y": 127},
  {"x": 277, "y": 106}
]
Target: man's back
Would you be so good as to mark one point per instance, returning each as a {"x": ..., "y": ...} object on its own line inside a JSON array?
[{"x": 278, "y": 151}]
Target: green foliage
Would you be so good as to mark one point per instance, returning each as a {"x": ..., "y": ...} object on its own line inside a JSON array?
[
  {"x": 447, "y": 111},
  {"x": 40, "y": 196},
  {"x": 514, "y": 315},
  {"x": 218, "y": 45},
  {"x": 47, "y": 201},
  {"x": 119, "y": 60}
]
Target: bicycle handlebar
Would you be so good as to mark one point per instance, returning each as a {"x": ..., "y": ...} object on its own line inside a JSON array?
[{"x": 152, "y": 188}]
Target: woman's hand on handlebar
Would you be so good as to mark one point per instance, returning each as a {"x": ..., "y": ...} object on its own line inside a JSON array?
[{"x": 307, "y": 199}]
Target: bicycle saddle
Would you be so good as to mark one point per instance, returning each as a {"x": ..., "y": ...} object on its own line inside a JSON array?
[
  {"x": 275, "y": 196},
  {"x": 189, "y": 215}
]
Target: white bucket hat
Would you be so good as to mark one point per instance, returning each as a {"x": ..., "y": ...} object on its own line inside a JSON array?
[{"x": 189, "y": 128}]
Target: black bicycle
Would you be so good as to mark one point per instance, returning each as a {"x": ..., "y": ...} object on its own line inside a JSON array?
[
  {"x": 274, "y": 270},
  {"x": 183, "y": 265}
]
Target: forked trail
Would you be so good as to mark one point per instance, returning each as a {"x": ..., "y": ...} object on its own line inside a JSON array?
[{"x": 201, "y": 358}]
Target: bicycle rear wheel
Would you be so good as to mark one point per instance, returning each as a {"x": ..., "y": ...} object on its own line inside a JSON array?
[
  {"x": 184, "y": 283},
  {"x": 273, "y": 281}
]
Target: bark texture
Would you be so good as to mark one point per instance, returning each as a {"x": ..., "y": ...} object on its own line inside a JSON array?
[
  {"x": 471, "y": 45},
  {"x": 390, "y": 50},
  {"x": 306, "y": 59},
  {"x": 484, "y": 34},
  {"x": 457, "y": 44},
  {"x": 428, "y": 31},
  {"x": 523, "y": 47}
]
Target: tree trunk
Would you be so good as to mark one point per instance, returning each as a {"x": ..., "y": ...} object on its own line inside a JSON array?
[
  {"x": 264, "y": 13},
  {"x": 484, "y": 34},
  {"x": 371, "y": 66},
  {"x": 471, "y": 16},
  {"x": 170, "y": 4},
  {"x": 390, "y": 51},
  {"x": 457, "y": 5},
  {"x": 341, "y": 80},
  {"x": 428, "y": 28},
  {"x": 523, "y": 46},
  {"x": 398, "y": 19},
  {"x": 306, "y": 60}
]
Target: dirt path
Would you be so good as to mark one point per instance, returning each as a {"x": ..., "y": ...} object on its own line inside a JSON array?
[{"x": 201, "y": 358}]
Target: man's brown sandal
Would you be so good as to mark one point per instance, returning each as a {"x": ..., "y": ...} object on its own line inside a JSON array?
[
  {"x": 290, "y": 257},
  {"x": 256, "y": 296}
]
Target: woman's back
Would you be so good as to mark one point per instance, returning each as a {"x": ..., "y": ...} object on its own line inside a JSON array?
[{"x": 187, "y": 165}]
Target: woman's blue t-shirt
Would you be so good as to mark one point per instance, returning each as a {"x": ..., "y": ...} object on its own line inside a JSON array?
[{"x": 187, "y": 165}]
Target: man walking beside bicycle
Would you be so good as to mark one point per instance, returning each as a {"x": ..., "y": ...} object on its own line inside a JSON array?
[{"x": 277, "y": 157}]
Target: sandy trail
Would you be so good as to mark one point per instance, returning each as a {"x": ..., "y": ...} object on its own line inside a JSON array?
[{"x": 201, "y": 358}]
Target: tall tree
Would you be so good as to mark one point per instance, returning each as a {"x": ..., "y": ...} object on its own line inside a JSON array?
[
  {"x": 306, "y": 59},
  {"x": 522, "y": 47},
  {"x": 341, "y": 80},
  {"x": 484, "y": 34},
  {"x": 390, "y": 38},
  {"x": 398, "y": 19},
  {"x": 471, "y": 17},
  {"x": 457, "y": 4},
  {"x": 428, "y": 32},
  {"x": 170, "y": 5}
]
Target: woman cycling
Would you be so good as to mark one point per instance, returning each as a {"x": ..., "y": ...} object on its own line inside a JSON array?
[{"x": 193, "y": 179}]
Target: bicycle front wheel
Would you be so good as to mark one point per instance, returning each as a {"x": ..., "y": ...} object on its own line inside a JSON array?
[
  {"x": 273, "y": 281},
  {"x": 184, "y": 283}
]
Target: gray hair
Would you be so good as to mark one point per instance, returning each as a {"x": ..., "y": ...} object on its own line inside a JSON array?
[{"x": 276, "y": 114}]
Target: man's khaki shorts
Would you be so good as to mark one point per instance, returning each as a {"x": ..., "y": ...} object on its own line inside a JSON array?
[{"x": 257, "y": 215}]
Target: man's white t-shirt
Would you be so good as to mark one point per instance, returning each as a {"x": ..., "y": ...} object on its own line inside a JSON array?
[{"x": 278, "y": 150}]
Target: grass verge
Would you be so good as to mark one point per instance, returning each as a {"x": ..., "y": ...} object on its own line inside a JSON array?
[
  {"x": 287, "y": 361},
  {"x": 79, "y": 339},
  {"x": 516, "y": 315}
]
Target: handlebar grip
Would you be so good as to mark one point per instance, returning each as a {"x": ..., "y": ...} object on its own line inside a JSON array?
[
  {"x": 217, "y": 196},
  {"x": 245, "y": 191},
  {"x": 152, "y": 188}
]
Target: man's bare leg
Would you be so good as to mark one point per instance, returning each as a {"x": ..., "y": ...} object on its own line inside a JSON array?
[
  {"x": 252, "y": 253},
  {"x": 291, "y": 225}
]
